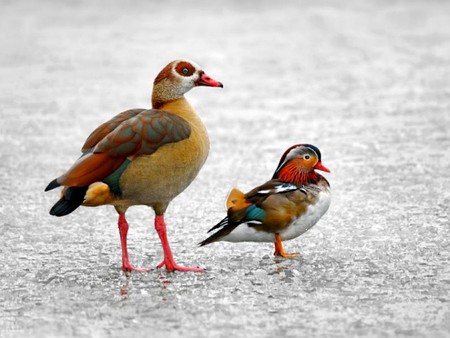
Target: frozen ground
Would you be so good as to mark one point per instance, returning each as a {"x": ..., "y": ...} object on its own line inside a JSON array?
[{"x": 368, "y": 82}]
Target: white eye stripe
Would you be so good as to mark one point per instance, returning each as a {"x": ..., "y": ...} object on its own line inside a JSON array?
[{"x": 315, "y": 153}]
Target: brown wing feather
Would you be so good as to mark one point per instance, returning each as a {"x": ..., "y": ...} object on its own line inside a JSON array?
[
  {"x": 281, "y": 209},
  {"x": 104, "y": 129},
  {"x": 141, "y": 134},
  {"x": 89, "y": 169}
]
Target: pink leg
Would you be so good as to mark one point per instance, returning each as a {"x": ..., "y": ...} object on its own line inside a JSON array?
[
  {"x": 169, "y": 261},
  {"x": 123, "y": 230}
]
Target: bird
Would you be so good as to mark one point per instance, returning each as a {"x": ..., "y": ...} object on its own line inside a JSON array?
[
  {"x": 281, "y": 209},
  {"x": 142, "y": 157}
]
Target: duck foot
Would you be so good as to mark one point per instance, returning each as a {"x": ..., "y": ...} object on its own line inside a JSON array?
[
  {"x": 279, "y": 251},
  {"x": 292, "y": 255},
  {"x": 169, "y": 261}
]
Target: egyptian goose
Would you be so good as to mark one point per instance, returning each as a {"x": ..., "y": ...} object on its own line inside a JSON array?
[
  {"x": 142, "y": 157},
  {"x": 281, "y": 209}
]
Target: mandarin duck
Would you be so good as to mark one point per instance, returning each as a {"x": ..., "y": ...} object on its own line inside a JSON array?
[
  {"x": 281, "y": 209},
  {"x": 142, "y": 157}
]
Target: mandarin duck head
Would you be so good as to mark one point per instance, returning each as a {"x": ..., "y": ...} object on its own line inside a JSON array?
[
  {"x": 177, "y": 78},
  {"x": 298, "y": 164}
]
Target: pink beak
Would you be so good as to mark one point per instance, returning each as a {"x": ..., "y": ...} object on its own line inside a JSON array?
[
  {"x": 205, "y": 80},
  {"x": 320, "y": 166}
]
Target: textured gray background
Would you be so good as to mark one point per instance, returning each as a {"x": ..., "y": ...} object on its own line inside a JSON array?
[{"x": 367, "y": 82}]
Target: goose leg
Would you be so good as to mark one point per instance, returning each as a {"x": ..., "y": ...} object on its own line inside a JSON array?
[
  {"x": 169, "y": 261},
  {"x": 123, "y": 231}
]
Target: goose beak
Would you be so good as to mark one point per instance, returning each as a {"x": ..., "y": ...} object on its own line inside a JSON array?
[
  {"x": 205, "y": 80},
  {"x": 320, "y": 166}
]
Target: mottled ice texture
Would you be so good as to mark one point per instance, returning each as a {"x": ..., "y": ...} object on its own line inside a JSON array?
[{"x": 368, "y": 82}]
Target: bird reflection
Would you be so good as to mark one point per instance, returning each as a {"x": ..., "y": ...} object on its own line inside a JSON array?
[{"x": 125, "y": 286}]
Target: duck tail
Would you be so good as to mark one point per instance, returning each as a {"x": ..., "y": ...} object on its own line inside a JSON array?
[
  {"x": 235, "y": 203},
  {"x": 70, "y": 200},
  {"x": 224, "y": 228}
]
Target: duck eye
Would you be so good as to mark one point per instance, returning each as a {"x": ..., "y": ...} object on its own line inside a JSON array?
[
  {"x": 306, "y": 157},
  {"x": 185, "y": 70}
]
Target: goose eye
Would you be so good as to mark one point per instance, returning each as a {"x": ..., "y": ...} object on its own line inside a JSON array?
[
  {"x": 184, "y": 69},
  {"x": 306, "y": 157}
]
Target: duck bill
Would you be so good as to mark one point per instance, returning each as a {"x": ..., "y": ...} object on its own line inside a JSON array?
[
  {"x": 205, "y": 80},
  {"x": 320, "y": 166}
]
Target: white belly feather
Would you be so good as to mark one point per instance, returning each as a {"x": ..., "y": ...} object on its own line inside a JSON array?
[{"x": 246, "y": 233}]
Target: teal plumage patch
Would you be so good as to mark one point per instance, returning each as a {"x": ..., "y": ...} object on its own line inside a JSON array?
[
  {"x": 113, "y": 180},
  {"x": 255, "y": 213}
]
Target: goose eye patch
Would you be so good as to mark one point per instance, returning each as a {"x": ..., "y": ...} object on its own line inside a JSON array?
[{"x": 185, "y": 69}]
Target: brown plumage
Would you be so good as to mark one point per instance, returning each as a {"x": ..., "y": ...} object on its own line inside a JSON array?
[{"x": 142, "y": 157}]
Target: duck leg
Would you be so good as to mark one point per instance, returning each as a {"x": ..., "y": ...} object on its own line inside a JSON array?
[
  {"x": 169, "y": 261},
  {"x": 279, "y": 251},
  {"x": 123, "y": 231}
]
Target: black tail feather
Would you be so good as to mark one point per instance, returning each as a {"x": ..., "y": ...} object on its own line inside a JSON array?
[
  {"x": 73, "y": 197},
  {"x": 224, "y": 227},
  {"x": 223, "y": 223},
  {"x": 52, "y": 185}
]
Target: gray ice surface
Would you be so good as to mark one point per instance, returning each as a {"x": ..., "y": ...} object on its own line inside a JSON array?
[{"x": 368, "y": 82}]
